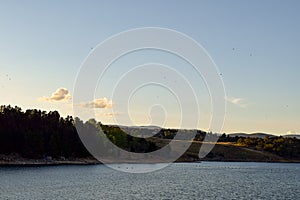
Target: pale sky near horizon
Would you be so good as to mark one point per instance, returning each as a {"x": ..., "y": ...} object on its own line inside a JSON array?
[{"x": 255, "y": 45}]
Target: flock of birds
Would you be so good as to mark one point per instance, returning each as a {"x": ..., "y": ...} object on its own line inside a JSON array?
[{"x": 7, "y": 77}]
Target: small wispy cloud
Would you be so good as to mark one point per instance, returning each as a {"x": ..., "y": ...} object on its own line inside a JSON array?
[
  {"x": 237, "y": 101},
  {"x": 61, "y": 94},
  {"x": 110, "y": 114},
  {"x": 97, "y": 103}
]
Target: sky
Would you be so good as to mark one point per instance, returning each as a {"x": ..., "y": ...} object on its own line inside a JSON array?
[{"x": 255, "y": 45}]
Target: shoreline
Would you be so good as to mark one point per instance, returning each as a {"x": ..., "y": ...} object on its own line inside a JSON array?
[
  {"x": 40, "y": 163},
  {"x": 17, "y": 160},
  {"x": 36, "y": 163}
]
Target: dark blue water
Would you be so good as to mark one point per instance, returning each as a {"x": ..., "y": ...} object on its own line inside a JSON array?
[{"x": 206, "y": 180}]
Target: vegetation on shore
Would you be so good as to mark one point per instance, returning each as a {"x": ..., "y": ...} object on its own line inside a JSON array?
[
  {"x": 48, "y": 137},
  {"x": 36, "y": 134}
]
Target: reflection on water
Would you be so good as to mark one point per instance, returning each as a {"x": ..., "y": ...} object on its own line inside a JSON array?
[{"x": 206, "y": 180}]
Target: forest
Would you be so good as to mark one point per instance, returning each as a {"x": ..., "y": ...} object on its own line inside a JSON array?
[
  {"x": 285, "y": 147},
  {"x": 39, "y": 134}
]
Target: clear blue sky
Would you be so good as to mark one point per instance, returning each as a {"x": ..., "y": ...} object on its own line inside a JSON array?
[{"x": 255, "y": 45}]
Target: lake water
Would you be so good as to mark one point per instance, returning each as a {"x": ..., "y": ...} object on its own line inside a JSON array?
[{"x": 205, "y": 180}]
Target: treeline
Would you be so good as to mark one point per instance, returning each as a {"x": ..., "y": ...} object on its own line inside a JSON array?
[
  {"x": 286, "y": 147},
  {"x": 282, "y": 146},
  {"x": 197, "y": 135},
  {"x": 40, "y": 134}
]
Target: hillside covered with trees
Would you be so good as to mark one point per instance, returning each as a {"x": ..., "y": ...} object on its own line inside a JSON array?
[{"x": 36, "y": 134}]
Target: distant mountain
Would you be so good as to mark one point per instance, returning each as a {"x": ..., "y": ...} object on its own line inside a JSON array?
[
  {"x": 262, "y": 135},
  {"x": 238, "y": 134},
  {"x": 147, "y": 127},
  {"x": 292, "y": 136},
  {"x": 137, "y": 127},
  {"x": 252, "y": 135}
]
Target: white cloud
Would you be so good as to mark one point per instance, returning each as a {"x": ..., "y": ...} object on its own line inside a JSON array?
[
  {"x": 98, "y": 103},
  {"x": 290, "y": 132},
  {"x": 237, "y": 101},
  {"x": 61, "y": 94}
]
